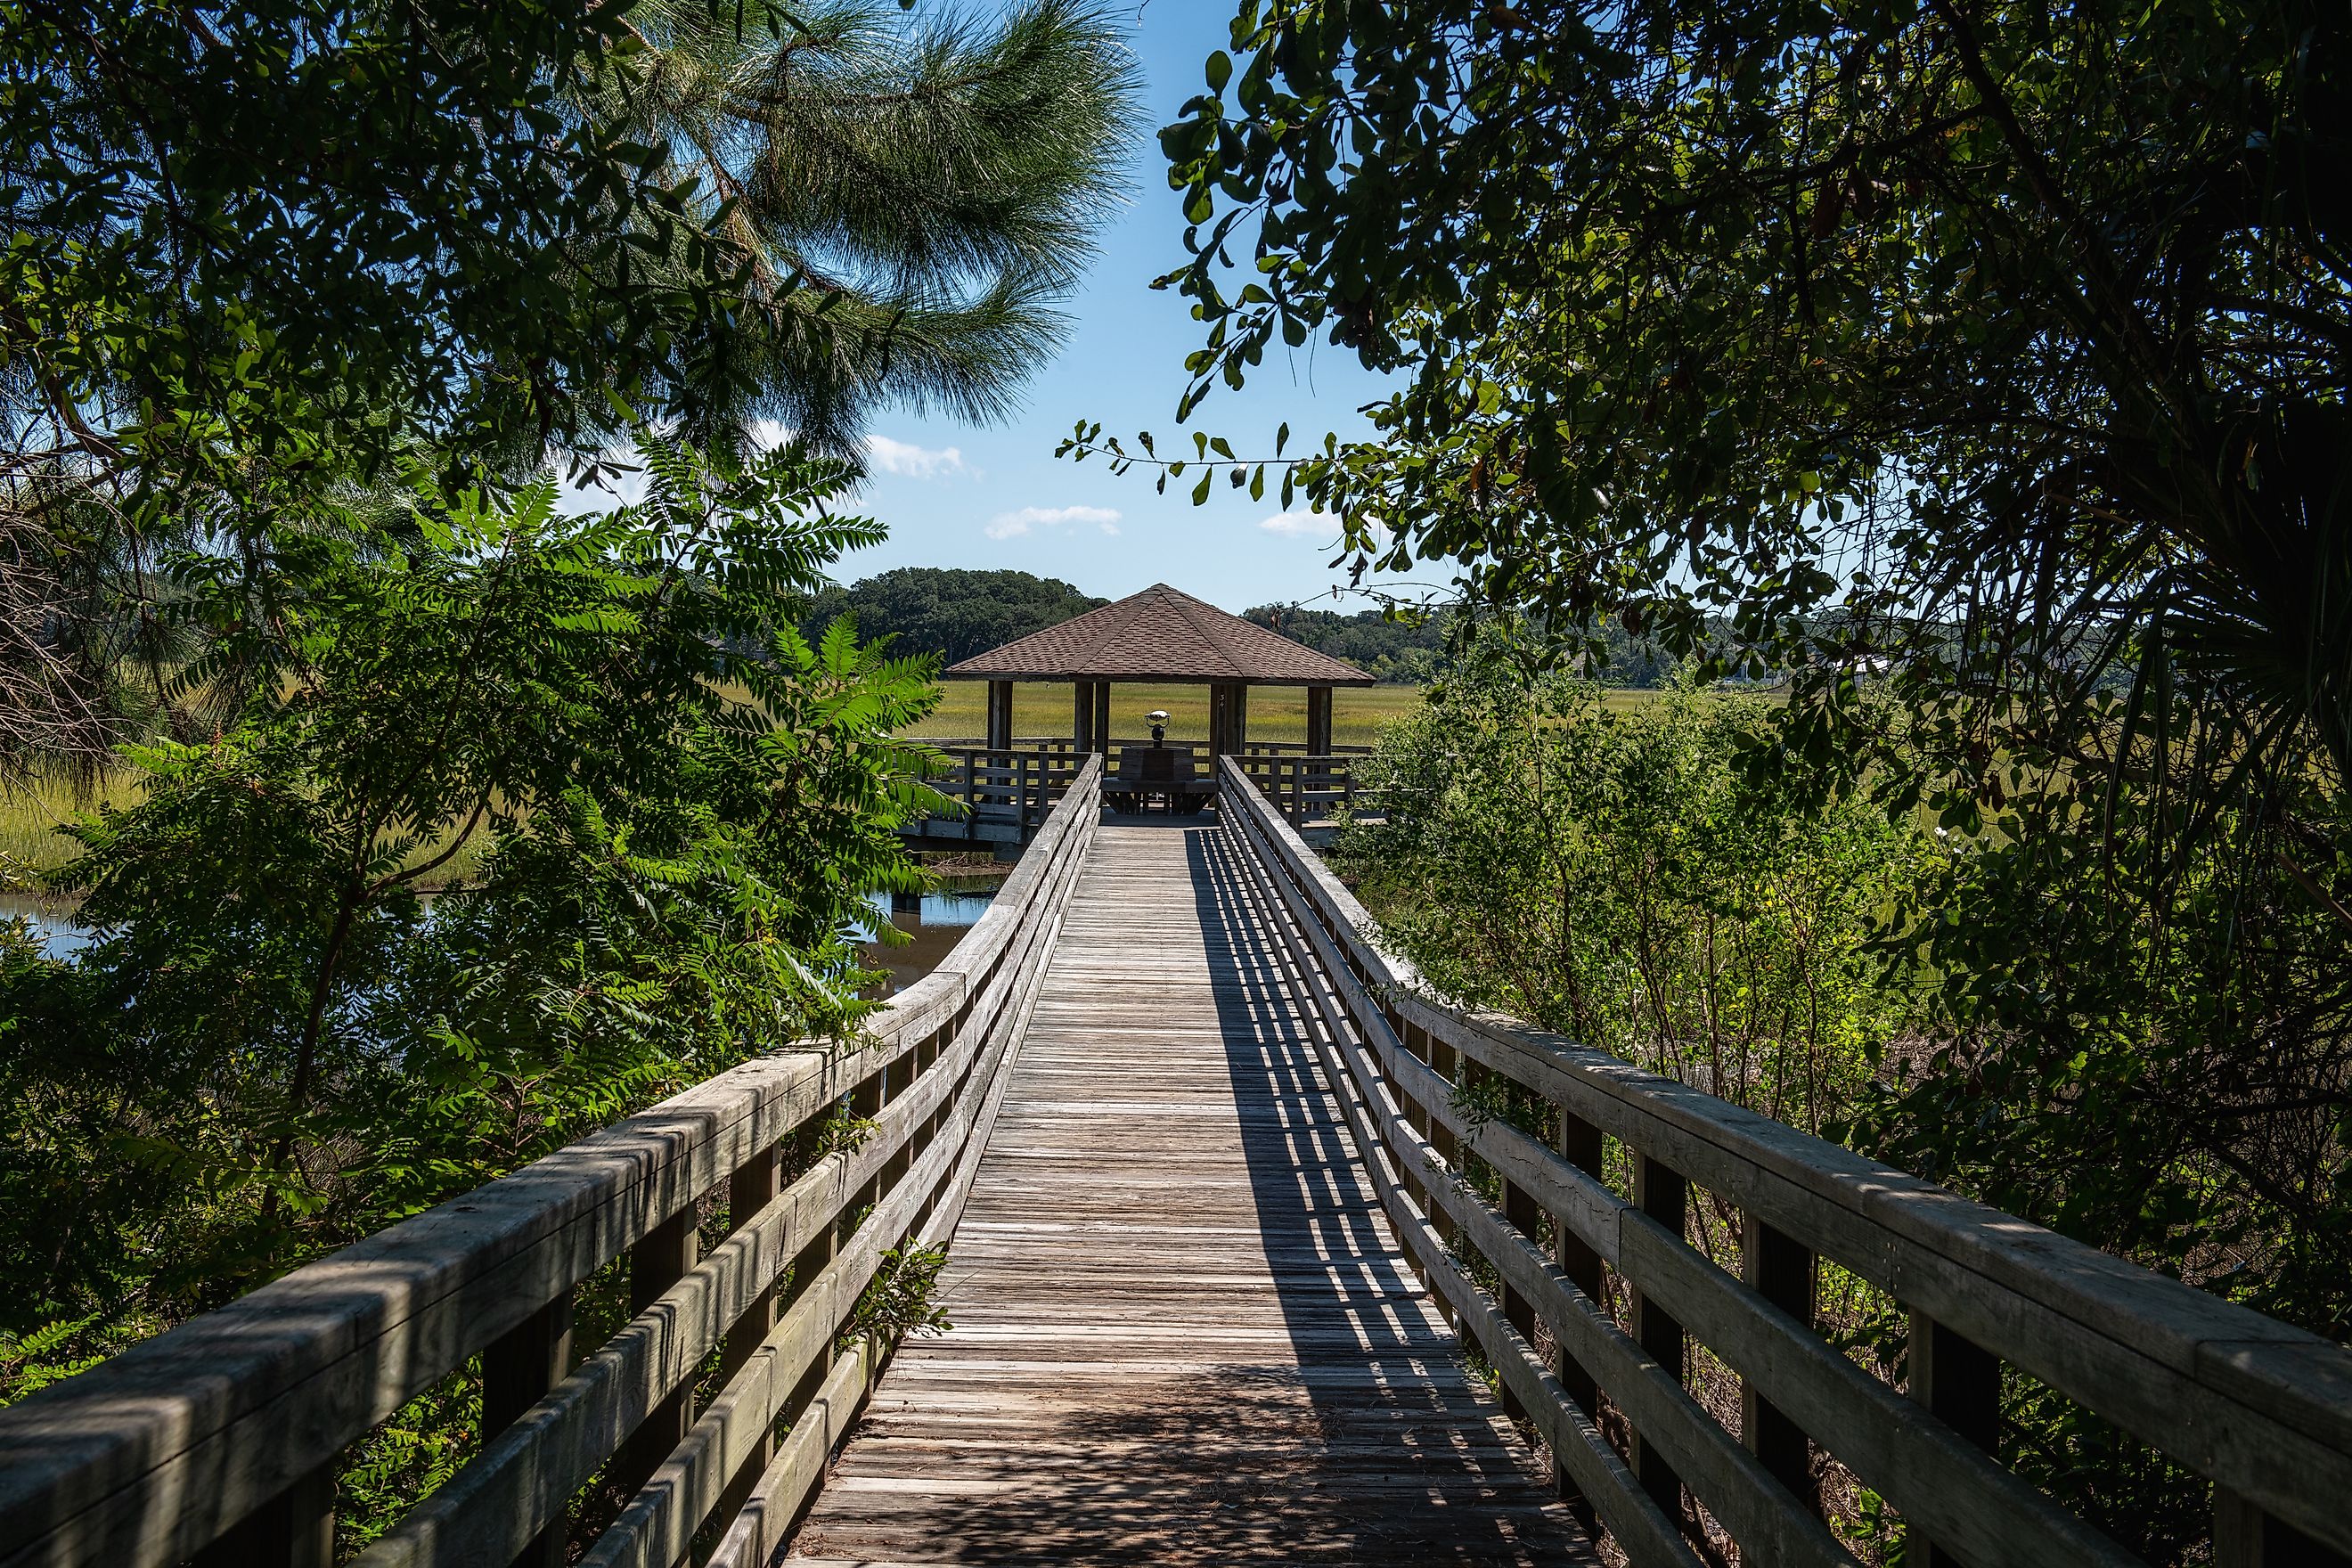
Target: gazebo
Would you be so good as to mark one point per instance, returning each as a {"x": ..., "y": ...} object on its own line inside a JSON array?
[{"x": 1160, "y": 635}]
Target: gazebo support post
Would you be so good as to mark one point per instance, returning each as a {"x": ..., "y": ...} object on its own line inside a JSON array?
[
  {"x": 1319, "y": 721},
  {"x": 1000, "y": 716},
  {"x": 1228, "y": 717},
  {"x": 1082, "y": 717},
  {"x": 1102, "y": 717}
]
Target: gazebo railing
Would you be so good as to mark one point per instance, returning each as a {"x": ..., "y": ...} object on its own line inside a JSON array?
[
  {"x": 1017, "y": 785},
  {"x": 1056, "y": 744},
  {"x": 998, "y": 787},
  {"x": 1304, "y": 787}
]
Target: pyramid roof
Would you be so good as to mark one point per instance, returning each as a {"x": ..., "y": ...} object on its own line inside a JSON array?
[{"x": 1159, "y": 634}]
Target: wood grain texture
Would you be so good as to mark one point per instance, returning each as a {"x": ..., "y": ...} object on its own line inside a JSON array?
[
  {"x": 1183, "y": 1331},
  {"x": 2169, "y": 1364}
]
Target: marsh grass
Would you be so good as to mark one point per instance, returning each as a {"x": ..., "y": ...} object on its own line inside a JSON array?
[
  {"x": 31, "y": 817},
  {"x": 31, "y": 814},
  {"x": 1276, "y": 712}
]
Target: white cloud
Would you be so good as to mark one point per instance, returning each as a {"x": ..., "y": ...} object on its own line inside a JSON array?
[
  {"x": 1322, "y": 525},
  {"x": 768, "y": 435},
  {"x": 1029, "y": 519},
  {"x": 1318, "y": 526},
  {"x": 912, "y": 461}
]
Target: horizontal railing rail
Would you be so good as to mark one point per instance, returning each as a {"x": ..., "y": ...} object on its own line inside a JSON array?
[
  {"x": 1304, "y": 786},
  {"x": 1299, "y": 748},
  {"x": 220, "y": 1440},
  {"x": 2258, "y": 1408},
  {"x": 1000, "y": 786},
  {"x": 1063, "y": 743}
]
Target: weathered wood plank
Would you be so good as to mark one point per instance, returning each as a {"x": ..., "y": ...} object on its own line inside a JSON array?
[
  {"x": 2262, "y": 1407},
  {"x": 1183, "y": 1332},
  {"x": 149, "y": 1458}
]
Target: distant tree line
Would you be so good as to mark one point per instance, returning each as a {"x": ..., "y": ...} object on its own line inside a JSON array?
[
  {"x": 956, "y": 614},
  {"x": 1412, "y": 651},
  {"x": 953, "y": 613}
]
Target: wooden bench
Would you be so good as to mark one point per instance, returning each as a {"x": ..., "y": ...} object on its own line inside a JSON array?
[{"x": 1156, "y": 773}]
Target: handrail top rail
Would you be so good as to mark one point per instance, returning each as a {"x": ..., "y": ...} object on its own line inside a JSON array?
[
  {"x": 1064, "y": 745},
  {"x": 355, "y": 1326},
  {"x": 2274, "y": 1369}
]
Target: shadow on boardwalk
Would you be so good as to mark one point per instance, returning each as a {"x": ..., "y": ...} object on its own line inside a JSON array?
[{"x": 1183, "y": 1334}]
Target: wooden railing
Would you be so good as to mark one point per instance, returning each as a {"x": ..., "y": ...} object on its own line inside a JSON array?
[
  {"x": 2260, "y": 1410},
  {"x": 1015, "y": 788},
  {"x": 1298, "y": 749},
  {"x": 1305, "y": 787},
  {"x": 1064, "y": 745},
  {"x": 220, "y": 1440}
]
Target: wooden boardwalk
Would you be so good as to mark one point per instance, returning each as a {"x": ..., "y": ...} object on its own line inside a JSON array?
[{"x": 1183, "y": 1332}]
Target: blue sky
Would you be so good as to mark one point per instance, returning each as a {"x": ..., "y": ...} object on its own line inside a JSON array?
[{"x": 957, "y": 495}]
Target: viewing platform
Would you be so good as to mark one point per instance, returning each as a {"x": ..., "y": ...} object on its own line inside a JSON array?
[{"x": 1005, "y": 785}]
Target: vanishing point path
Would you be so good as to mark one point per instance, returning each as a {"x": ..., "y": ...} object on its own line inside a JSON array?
[{"x": 1183, "y": 1332}]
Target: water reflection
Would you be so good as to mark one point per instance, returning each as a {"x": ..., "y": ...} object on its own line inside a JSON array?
[
  {"x": 937, "y": 921},
  {"x": 53, "y": 923}
]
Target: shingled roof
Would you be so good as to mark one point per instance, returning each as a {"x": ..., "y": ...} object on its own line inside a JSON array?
[{"x": 1159, "y": 634}]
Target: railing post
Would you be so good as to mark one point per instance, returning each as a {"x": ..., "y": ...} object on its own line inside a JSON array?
[
  {"x": 2246, "y": 1537},
  {"x": 1580, "y": 1145},
  {"x": 657, "y": 1262},
  {"x": 865, "y": 1103},
  {"x": 1415, "y": 1042},
  {"x": 1960, "y": 1382},
  {"x": 1783, "y": 1271},
  {"x": 1661, "y": 1193},
  {"x": 1442, "y": 1061},
  {"x": 749, "y": 1191},
  {"x": 1527, "y": 1218},
  {"x": 518, "y": 1368},
  {"x": 296, "y": 1528},
  {"x": 896, "y": 1080}
]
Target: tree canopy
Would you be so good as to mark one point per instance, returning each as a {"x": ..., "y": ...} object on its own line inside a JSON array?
[
  {"x": 262, "y": 256},
  {"x": 2005, "y": 341}
]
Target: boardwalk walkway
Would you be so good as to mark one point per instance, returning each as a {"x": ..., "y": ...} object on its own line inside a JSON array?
[{"x": 1182, "y": 1331}]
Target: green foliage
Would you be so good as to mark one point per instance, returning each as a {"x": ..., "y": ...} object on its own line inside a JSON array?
[
  {"x": 952, "y": 613},
  {"x": 2152, "y": 1059},
  {"x": 259, "y": 256},
  {"x": 41, "y": 1355},
  {"x": 1399, "y": 649},
  {"x": 273, "y": 1044},
  {"x": 1965, "y": 335},
  {"x": 294, "y": 232},
  {"x": 1611, "y": 874},
  {"x": 425, "y": 1441},
  {"x": 902, "y": 1298},
  {"x": 906, "y": 198}
]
